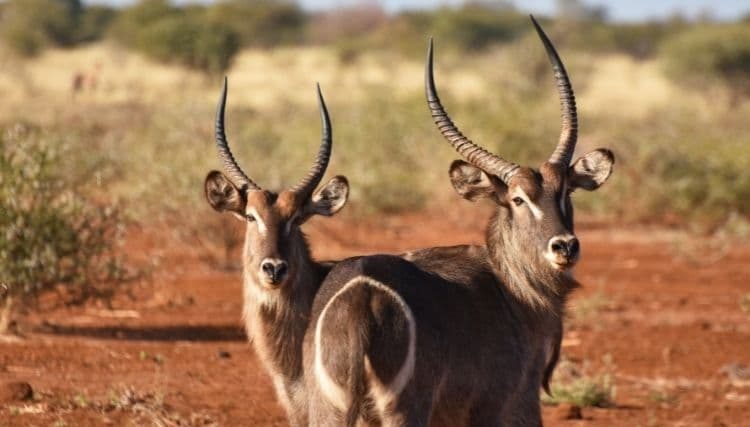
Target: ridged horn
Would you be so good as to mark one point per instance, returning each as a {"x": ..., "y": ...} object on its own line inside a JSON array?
[
  {"x": 233, "y": 170},
  {"x": 318, "y": 169},
  {"x": 563, "y": 153},
  {"x": 475, "y": 154}
]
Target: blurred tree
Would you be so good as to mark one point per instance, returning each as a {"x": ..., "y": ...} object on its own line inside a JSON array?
[
  {"x": 188, "y": 40},
  {"x": 30, "y": 25},
  {"x": 577, "y": 10},
  {"x": 94, "y": 23},
  {"x": 132, "y": 20},
  {"x": 261, "y": 23},
  {"x": 708, "y": 54},
  {"x": 475, "y": 27},
  {"x": 186, "y": 35}
]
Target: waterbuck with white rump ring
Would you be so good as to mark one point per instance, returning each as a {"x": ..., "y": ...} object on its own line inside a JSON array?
[{"x": 394, "y": 342}]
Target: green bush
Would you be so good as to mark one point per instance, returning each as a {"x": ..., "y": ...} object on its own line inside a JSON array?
[
  {"x": 474, "y": 27},
  {"x": 53, "y": 237},
  {"x": 571, "y": 385},
  {"x": 260, "y": 23},
  {"x": 677, "y": 165},
  {"x": 189, "y": 41},
  {"x": 641, "y": 40},
  {"x": 132, "y": 20},
  {"x": 710, "y": 54},
  {"x": 94, "y": 23},
  {"x": 28, "y": 26},
  {"x": 183, "y": 36}
]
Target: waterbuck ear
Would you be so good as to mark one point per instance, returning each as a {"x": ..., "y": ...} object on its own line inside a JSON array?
[
  {"x": 470, "y": 182},
  {"x": 591, "y": 170},
  {"x": 328, "y": 200},
  {"x": 222, "y": 195}
]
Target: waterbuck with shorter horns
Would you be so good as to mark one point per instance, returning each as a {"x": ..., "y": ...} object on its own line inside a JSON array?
[
  {"x": 280, "y": 277},
  {"x": 395, "y": 342}
]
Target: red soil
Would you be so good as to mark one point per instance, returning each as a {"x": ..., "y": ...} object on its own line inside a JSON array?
[{"x": 177, "y": 355}]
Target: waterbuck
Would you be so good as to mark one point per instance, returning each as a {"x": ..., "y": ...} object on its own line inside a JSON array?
[
  {"x": 396, "y": 342},
  {"x": 279, "y": 276}
]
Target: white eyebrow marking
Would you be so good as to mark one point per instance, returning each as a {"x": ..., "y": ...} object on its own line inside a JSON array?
[
  {"x": 261, "y": 225},
  {"x": 538, "y": 214}
]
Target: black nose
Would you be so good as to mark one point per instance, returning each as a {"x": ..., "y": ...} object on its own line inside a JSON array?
[
  {"x": 274, "y": 269},
  {"x": 565, "y": 246}
]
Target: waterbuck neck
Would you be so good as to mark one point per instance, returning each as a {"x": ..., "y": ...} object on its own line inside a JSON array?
[
  {"x": 525, "y": 274},
  {"x": 276, "y": 319}
]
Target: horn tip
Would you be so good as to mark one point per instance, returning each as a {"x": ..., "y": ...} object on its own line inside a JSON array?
[
  {"x": 536, "y": 25},
  {"x": 430, "y": 90},
  {"x": 319, "y": 92}
]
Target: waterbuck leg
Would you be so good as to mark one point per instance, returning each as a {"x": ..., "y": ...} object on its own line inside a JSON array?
[
  {"x": 412, "y": 409},
  {"x": 526, "y": 410}
]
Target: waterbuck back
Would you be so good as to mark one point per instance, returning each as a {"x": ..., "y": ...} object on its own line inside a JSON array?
[{"x": 465, "y": 336}]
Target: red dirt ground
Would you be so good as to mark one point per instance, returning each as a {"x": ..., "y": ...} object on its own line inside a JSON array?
[{"x": 177, "y": 355}]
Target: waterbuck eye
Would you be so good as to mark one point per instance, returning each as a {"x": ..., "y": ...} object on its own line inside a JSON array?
[
  {"x": 250, "y": 218},
  {"x": 518, "y": 201}
]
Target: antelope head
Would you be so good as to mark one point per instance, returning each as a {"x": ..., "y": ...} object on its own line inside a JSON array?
[
  {"x": 534, "y": 218},
  {"x": 275, "y": 249}
]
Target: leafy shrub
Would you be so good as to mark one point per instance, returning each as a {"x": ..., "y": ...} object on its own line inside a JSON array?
[
  {"x": 94, "y": 23},
  {"x": 681, "y": 165},
  {"x": 474, "y": 27},
  {"x": 260, "y": 23},
  {"x": 583, "y": 392},
  {"x": 710, "y": 54},
  {"x": 52, "y": 234},
  {"x": 182, "y": 36},
  {"x": 190, "y": 41},
  {"x": 571, "y": 385},
  {"x": 641, "y": 40},
  {"x": 134, "y": 19},
  {"x": 28, "y": 26}
]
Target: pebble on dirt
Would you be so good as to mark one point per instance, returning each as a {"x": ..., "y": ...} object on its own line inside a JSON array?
[
  {"x": 15, "y": 391},
  {"x": 568, "y": 411}
]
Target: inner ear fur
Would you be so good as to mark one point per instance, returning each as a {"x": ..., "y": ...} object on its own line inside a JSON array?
[
  {"x": 591, "y": 170},
  {"x": 472, "y": 183},
  {"x": 222, "y": 195},
  {"x": 328, "y": 199}
]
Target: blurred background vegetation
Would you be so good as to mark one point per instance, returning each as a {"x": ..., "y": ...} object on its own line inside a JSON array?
[{"x": 133, "y": 91}]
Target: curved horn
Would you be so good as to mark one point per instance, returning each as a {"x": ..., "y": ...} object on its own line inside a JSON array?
[
  {"x": 563, "y": 153},
  {"x": 231, "y": 167},
  {"x": 474, "y": 153},
  {"x": 318, "y": 169}
]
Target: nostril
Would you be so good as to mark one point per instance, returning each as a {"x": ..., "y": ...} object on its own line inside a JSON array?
[
  {"x": 281, "y": 270},
  {"x": 558, "y": 246},
  {"x": 573, "y": 247},
  {"x": 268, "y": 268}
]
